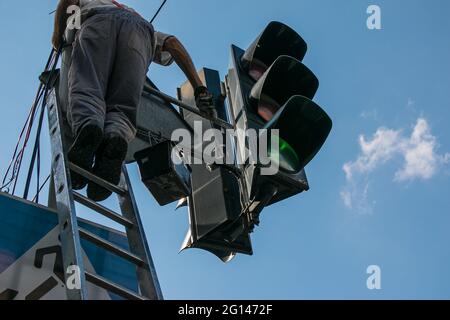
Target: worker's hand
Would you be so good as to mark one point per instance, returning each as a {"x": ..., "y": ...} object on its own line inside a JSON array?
[{"x": 204, "y": 100}]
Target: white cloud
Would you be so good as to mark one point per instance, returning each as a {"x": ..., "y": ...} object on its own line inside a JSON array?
[
  {"x": 369, "y": 114},
  {"x": 347, "y": 198},
  {"x": 420, "y": 161},
  {"x": 374, "y": 152},
  {"x": 356, "y": 196},
  {"x": 419, "y": 152}
]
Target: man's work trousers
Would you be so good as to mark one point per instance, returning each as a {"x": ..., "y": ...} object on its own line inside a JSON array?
[{"x": 111, "y": 55}]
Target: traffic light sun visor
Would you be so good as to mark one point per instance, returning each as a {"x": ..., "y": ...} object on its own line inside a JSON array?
[
  {"x": 276, "y": 40},
  {"x": 303, "y": 128},
  {"x": 267, "y": 107},
  {"x": 285, "y": 78},
  {"x": 257, "y": 69}
]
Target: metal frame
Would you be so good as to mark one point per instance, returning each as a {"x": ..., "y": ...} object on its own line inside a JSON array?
[
  {"x": 217, "y": 121},
  {"x": 148, "y": 279},
  {"x": 68, "y": 226}
]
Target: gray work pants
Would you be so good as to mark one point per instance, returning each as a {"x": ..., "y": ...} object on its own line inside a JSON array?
[{"x": 111, "y": 55}]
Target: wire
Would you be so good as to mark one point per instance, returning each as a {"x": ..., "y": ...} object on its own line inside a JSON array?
[
  {"x": 15, "y": 164},
  {"x": 18, "y": 154},
  {"x": 16, "y": 159},
  {"x": 36, "y": 152},
  {"x": 36, "y": 149},
  {"x": 54, "y": 61},
  {"x": 36, "y": 197},
  {"x": 13, "y": 170},
  {"x": 4, "y": 183},
  {"x": 22, "y": 151},
  {"x": 38, "y": 166},
  {"x": 157, "y": 12}
]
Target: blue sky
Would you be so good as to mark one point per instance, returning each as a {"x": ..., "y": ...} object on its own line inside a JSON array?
[{"x": 388, "y": 94}]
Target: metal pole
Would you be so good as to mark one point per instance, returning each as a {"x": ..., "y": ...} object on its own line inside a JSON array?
[{"x": 167, "y": 98}]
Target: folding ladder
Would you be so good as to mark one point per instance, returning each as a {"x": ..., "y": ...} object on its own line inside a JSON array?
[{"x": 70, "y": 233}]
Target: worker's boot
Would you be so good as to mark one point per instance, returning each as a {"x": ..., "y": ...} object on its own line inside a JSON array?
[
  {"x": 109, "y": 160},
  {"x": 82, "y": 152}
]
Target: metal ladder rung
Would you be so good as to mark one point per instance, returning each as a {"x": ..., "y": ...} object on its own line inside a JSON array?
[
  {"x": 112, "y": 248},
  {"x": 102, "y": 210},
  {"x": 112, "y": 287},
  {"x": 103, "y": 183}
]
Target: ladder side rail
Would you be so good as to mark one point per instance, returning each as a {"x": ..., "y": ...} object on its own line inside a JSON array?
[
  {"x": 72, "y": 253},
  {"x": 147, "y": 276}
]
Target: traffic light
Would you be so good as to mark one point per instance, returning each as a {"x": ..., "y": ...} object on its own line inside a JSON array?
[
  {"x": 276, "y": 40},
  {"x": 303, "y": 128},
  {"x": 156, "y": 120},
  {"x": 270, "y": 88},
  {"x": 167, "y": 180},
  {"x": 215, "y": 208}
]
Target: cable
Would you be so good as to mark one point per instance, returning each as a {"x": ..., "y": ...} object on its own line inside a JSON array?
[
  {"x": 17, "y": 157},
  {"x": 36, "y": 149},
  {"x": 19, "y": 160},
  {"x": 12, "y": 173},
  {"x": 15, "y": 164},
  {"x": 157, "y": 12},
  {"x": 36, "y": 197},
  {"x": 38, "y": 170},
  {"x": 4, "y": 183},
  {"x": 54, "y": 61}
]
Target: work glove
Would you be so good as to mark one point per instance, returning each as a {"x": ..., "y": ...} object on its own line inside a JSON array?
[{"x": 204, "y": 101}]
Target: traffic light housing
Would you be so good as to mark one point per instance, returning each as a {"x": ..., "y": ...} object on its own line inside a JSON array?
[
  {"x": 270, "y": 88},
  {"x": 303, "y": 128},
  {"x": 260, "y": 55},
  {"x": 215, "y": 208},
  {"x": 167, "y": 180},
  {"x": 272, "y": 91}
]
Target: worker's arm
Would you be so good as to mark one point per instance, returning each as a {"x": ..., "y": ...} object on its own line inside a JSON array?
[
  {"x": 183, "y": 60},
  {"x": 204, "y": 99},
  {"x": 61, "y": 17}
]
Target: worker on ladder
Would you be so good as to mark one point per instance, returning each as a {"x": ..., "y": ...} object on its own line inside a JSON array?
[{"x": 112, "y": 52}]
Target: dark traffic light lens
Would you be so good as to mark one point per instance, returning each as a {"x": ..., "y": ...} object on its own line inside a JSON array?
[
  {"x": 267, "y": 107},
  {"x": 303, "y": 128},
  {"x": 276, "y": 40},
  {"x": 257, "y": 69},
  {"x": 285, "y": 157},
  {"x": 286, "y": 78}
]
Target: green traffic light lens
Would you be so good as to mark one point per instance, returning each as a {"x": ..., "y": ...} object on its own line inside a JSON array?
[{"x": 285, "y": 157}]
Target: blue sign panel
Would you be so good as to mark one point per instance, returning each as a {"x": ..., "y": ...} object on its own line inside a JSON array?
[{"x": 30, "y": 255}]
